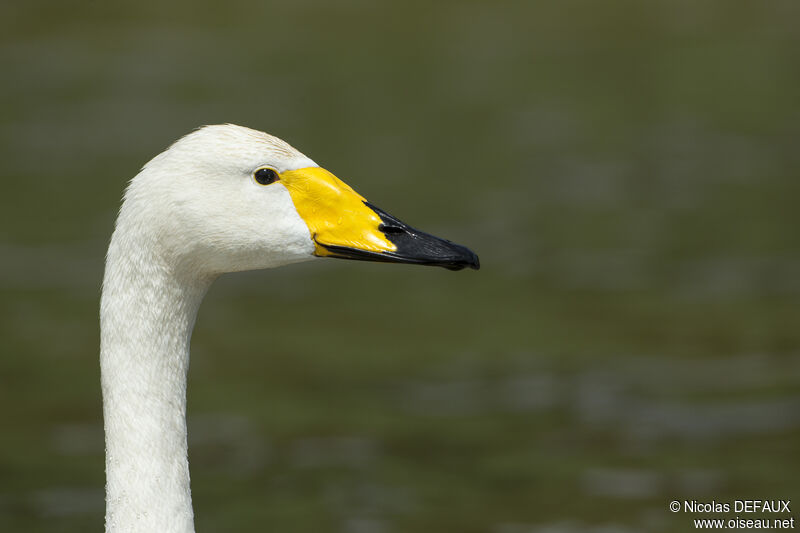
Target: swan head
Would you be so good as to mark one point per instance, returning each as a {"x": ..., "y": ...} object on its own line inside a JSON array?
[{"x": 227, "y": 198}]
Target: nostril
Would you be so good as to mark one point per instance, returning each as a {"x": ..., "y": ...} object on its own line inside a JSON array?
[{"x": 390, "y": 229}]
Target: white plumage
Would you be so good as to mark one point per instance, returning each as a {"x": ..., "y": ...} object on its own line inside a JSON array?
[{"x": 192, "y": 213}]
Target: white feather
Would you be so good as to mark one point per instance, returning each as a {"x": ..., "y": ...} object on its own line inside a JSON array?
[{"x": 192, "y": 213}]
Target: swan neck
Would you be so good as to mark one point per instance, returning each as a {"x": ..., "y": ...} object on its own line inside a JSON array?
[{"x": 147, "y": 315}]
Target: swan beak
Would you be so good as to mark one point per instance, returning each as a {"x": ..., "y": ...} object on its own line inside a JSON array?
[{"x": 344, "y": 225}]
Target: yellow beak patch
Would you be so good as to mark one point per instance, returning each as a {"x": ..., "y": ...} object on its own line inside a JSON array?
[{"x": 334, "y": 213}]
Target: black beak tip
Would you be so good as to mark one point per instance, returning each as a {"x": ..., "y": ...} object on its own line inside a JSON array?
[
  {"x": 476, "y": 263},
  {"x": 412, "y": 246},
  {"x": 468, "y": 259}
]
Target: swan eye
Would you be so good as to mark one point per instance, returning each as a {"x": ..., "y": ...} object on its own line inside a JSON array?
[{"x": 265, "y": 175}]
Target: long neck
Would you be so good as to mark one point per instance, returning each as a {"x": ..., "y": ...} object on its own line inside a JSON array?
[{"x": 146, "y": 318}]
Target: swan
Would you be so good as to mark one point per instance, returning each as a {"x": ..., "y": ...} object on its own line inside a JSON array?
[{"x": 224, "y": 198}]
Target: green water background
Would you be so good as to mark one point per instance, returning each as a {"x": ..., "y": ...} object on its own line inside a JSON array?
[{"x": 627, "y": 171}]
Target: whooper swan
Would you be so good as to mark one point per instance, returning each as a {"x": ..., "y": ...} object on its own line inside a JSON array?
[{"x": 221, "y": 199}]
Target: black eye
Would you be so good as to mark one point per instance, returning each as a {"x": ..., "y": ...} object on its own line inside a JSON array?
[{"x": 265, "y": 176}]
